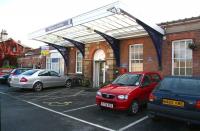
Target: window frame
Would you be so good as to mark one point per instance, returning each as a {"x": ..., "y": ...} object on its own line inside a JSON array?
[
  {"x": 79, "y": 72},
  {"x": 173, "y": 58},
  {"x": 130, "y": 56}
]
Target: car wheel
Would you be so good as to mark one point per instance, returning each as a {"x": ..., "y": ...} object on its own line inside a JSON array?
[
  {"x": 134, "y": 108},
  {"x": 38, "y": 86},
  {"x": 68, "y": 84}
]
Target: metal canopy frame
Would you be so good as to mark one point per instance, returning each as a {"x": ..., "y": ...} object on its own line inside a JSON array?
[
  {"x": 61, "y": 49},
  {"x": 111, "y": 22}
]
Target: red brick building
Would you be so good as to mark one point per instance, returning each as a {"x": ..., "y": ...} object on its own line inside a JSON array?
[
  {"x": 171, "y": 48},
  {"x": 32, "y": 59},
  {"x": 10, "y": 50}
]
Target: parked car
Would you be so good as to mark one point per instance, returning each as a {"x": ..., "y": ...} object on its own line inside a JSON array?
[
  {"x": 128, "y": 92},
  {"x": 38, "y": 79},
  {"x": 15, "y": 72},
  {"x": 177, "y": 98},
  {"x": 4, "y": 74}
]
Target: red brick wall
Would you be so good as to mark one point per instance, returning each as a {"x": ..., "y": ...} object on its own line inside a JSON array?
[
  {"x": 149, "y": 57},
  {"x": 72, "y": 60}
]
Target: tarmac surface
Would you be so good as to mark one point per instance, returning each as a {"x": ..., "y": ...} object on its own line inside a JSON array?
[{"x": 64, "y": 109}]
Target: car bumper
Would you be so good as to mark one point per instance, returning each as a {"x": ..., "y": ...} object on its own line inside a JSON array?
[
  {"x": 117, "y": 104},
  {"x": 178, "y": 114},
  {"x": 21, "y": 85}
]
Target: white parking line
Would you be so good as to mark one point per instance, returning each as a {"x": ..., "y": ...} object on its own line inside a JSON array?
[
  {"x": 80, "y": 108},
  {"x": 74, "y": 118},
  {"x": 60, "y": 113},
  {"x": 78, "y": 93},
  {"x": 134, "y": 123}
]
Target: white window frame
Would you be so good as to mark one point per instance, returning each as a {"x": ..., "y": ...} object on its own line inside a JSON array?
[
  {"x": 130, "y": 64},
  {"x": 173, "y": 42},
  {"x": 80, "y": 72}
]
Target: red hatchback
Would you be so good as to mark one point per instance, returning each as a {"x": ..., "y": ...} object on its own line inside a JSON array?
[{"x": 128, "y": 92}]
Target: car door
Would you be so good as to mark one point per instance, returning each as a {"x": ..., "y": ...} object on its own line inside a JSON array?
[
  {"x": 56, "y": 79},
  {"x": 44, "y": 78},
  {"x": 146, "y": 87}
]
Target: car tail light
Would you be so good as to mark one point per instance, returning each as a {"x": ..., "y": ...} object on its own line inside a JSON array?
[
  {"x": 198, "y": 104},
  {"x": 152, "y": 97},
  {"x": 23, "y": 79}
]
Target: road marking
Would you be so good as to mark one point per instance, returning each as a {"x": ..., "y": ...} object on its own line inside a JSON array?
[
  {"x": 134, "y": 123},
  {"x": 78, "y": 93},
  {"x": 74, "y": 118},
  {"x": 80, "y": 108},
  {"x": 66, "y": 103}
]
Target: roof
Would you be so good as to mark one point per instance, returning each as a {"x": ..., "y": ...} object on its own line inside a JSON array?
[
  {"x": 115, "y": 20},
  {"x": 197, "y": 18}
]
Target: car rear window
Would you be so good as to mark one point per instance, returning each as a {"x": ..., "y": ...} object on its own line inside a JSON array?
[
  {"x": 181, "y": 85},
  {"x": 29, "y": 72}
]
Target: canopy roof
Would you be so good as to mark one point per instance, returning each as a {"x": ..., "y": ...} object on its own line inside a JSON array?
[{"x": 113, "y": 20}]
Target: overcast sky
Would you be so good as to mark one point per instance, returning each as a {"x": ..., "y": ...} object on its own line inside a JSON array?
[{"x": 21, "y": 17}]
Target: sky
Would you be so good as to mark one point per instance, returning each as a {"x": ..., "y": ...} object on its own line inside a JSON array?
[{"x": 21, "y": 17}]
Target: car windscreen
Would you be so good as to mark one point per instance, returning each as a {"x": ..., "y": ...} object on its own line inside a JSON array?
[
  {"x": 29, "y": 72},
  {"x": 128, "y": 80},
  {"x": 180, "y": 85}
]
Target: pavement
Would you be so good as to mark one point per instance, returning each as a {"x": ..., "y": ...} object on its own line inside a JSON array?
[{"x": 74, "y": 109}]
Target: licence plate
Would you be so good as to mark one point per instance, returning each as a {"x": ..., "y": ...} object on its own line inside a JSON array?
[
  {"x": 107, "y": 105},
  {"x": 173, "y": 103}
]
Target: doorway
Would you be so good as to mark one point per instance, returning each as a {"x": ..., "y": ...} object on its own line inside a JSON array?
[{"x": 99, "y": 68}]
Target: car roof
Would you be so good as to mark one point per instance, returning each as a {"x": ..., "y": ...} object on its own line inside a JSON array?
[
  {"x": 143, "y": 72},
  {"x": 184, "y": 77}
]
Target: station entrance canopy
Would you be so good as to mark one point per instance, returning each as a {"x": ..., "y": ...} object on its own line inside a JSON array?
[{"x": 111, "y": 23}]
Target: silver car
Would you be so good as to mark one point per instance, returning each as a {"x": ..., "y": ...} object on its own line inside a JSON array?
[{"x": 38, "y": 79}]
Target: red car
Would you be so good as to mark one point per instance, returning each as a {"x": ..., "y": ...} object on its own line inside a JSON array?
[{"x": 128, "y": 92}]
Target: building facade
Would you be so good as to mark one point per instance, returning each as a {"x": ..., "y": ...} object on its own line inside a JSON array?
[
  {"x": 10, "y": 50},
  {"x": 104, "y": 42},
  {"x": 32, "y": 59},
  {"x": 180, "y": 54}
]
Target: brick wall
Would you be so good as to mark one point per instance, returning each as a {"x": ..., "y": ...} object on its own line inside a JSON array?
[{"x": 149, "y": 54}]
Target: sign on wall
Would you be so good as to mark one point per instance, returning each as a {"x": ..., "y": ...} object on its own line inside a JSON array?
[{"x": 45, "y": 50}]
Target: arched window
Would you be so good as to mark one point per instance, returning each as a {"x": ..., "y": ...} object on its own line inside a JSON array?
[{"x": 79, "y": 62}]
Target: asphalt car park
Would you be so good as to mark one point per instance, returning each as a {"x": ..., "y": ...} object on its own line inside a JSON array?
[{"x": 76, "y": 108}]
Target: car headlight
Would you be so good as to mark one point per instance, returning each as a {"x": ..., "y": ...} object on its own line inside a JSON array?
[
  {"x": 122, "y": 97},
  {"x": 98, "y": 93}
]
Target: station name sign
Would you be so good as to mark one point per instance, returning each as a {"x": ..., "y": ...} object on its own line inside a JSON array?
[{"x": 66, "y": 23}]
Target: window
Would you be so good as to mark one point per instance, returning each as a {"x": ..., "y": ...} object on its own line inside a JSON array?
[
  {"x": 146, "y": 80},
  {"x": 79, "y": 59},
  {"x": 53, "y": 73},
  {"x": 155, "y": 78},
  {"x": 44, "y": 73},
  {"x": 14, "y": 49},
  {"x": 181, "y": 58},
  {"x": 136, "y": 57}
]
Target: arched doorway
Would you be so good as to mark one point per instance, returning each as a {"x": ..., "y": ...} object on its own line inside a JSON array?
[{"x": 99, "y": 68}]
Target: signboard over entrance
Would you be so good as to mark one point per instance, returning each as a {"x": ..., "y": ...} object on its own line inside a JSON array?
[{"x": 66, "y": 23}]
